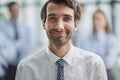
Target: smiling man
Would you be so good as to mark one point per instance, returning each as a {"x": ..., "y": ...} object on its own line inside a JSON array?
[{"x": 61, "y": 60}]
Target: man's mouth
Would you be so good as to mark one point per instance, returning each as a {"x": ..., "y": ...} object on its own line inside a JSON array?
[{"x": 58, "y": 33}]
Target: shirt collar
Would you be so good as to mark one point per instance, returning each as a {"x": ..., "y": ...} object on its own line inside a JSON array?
[
  {"x": 53, "y": 58},
  {"x": 14, "y": 21}
]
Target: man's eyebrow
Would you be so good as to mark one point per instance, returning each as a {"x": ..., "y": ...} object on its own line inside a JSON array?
[
  {"x": 51, "y": 15},
  {"x": 67, "y": 15}
]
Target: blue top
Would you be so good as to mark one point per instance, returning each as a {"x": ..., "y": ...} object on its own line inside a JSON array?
[
  {"x": 24, "y": 44},
  {"x": 7, "y": 53},
  {"x": 105, "y": 45}
]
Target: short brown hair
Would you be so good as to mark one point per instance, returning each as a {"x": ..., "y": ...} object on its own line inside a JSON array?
[
  {"x": 12, "y": 3},
  {"x": 107, "y": 27},
  {"x": 70, "y": 3}
]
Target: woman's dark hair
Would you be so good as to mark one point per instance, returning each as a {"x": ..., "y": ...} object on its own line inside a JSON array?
[{"x": 70, "y": 3}]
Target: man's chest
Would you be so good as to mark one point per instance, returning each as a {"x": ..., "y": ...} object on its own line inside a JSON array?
[{"x": 70, "y": 73}]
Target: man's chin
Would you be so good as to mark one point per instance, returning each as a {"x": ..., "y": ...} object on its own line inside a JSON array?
[{"x": 59, "y": 42}]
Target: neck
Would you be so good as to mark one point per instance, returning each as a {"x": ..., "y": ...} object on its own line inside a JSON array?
[
  {"x": 60, "y": 51},
  {"x": 15, "y": 19}
]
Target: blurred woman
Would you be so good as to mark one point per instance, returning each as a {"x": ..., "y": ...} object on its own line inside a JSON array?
[{"x": 102, "y": 42}]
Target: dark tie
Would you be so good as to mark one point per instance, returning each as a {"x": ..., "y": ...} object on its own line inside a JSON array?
[
  {"x": 60, "y": 64},
  {"x": 3, "y": 67},
  {"x": 15, "y": 30},
  {"x": 16, "y": 37}
]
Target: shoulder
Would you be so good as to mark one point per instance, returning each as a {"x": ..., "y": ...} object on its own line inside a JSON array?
[
  {"x": 111, "y": 39},
  {"x": 5, "y": 24},
  {"x": 88, "y": 56},
  {"x": 34, "y": 59},
  {"x": 87, "y": 39},
  {"x": 2, "y": 37},
  {"x": 23, "y": 24},
  {"x": 91, "y": 63}
]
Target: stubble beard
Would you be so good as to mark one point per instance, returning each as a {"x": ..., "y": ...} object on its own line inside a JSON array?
[{"x": 58, "y": 41}]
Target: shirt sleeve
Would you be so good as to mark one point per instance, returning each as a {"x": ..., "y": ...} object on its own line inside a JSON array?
[
  {"x": 30, "y": 44},
  {"x": 112, "y": 53},
  {"x": 8, "y": 50},
  {"x": 99, "y": 71},
  {"x": 3, "y": 66},
  {"x": 23, "y": 73}
]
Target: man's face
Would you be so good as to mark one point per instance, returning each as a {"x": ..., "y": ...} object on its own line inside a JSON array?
[
  {"x": 14, "y": 11},
  {"x": 59, "y": 24}
]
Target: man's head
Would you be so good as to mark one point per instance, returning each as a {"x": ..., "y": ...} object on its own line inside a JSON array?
[
  {"x": 14, "y": 9},
  {"x": 60, "y": 18}
]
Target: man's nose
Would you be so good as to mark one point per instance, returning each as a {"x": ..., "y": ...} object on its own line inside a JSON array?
[{"x": 60, "y": 25}]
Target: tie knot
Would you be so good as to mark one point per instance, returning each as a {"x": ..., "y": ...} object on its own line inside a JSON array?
[{"x": 60, "y": 62}]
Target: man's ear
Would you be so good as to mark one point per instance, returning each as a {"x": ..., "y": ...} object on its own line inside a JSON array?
[
  {"x": 43, "y": 24},
  {"x": 76, "y": 25}
]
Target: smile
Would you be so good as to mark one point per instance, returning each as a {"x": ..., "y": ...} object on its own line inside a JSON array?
[{"x": 58, "y": 33}]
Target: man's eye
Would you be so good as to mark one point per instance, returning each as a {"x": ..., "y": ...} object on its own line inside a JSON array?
[
  {"x": 67, "y": 19},
  {"x": 52, "y": 18}
]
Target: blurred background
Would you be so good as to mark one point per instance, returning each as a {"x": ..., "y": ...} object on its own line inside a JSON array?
[{"x": 30, "y": 14}]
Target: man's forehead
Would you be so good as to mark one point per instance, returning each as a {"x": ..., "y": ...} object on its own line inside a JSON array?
[
  {"x": 15, "y": 6},
  {"x": 59, "y": 9}
]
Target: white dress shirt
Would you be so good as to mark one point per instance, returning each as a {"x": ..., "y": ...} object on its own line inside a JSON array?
[{"x": 81, "y": 65}]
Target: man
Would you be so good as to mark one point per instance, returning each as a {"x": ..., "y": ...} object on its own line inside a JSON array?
[
  {"x": 61, "y": 60},
  {"x": 19, "y": 35},
  {"x": 6, "y": 49}
]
